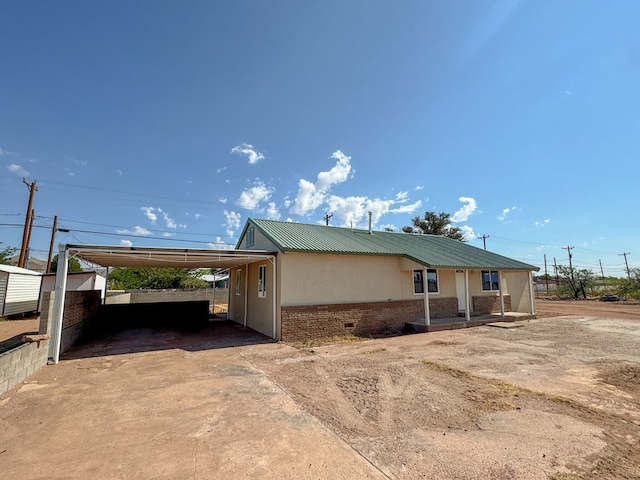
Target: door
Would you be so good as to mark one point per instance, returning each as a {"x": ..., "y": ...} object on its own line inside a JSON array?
[{"x": 461, "y": 291}]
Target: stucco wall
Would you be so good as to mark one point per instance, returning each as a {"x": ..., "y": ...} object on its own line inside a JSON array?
[{"x": 518, "y": 285}]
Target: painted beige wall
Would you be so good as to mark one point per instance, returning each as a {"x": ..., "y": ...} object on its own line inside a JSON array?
[
  {"x": 518, "y": 285},
  {"x": 260, "y": 310},
  {"x": 236, "y": 302},
  {"x": 260, "y": 242}
]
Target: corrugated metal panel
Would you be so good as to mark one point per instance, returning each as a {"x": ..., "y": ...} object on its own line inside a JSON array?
[
  {"x": 430, "y": 250},
  {"x": 22, "y": 292},
  {"x": 4, "y": 276}
]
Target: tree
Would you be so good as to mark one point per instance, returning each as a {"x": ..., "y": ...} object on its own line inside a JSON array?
[
  {"x": 435, "y": 224},
  {"x": 630, "y": 287},
  {"x": 74, "y": 265},
  {"x": 6, "y": 254},
  {"x": 154, "y": 278},
  {"x": 575, "y": 282}
]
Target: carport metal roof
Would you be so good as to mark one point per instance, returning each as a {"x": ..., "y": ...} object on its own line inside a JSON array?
[{"x": 120, "y": 256}]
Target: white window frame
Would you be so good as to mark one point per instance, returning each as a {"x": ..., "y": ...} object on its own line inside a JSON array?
[
  {"x": 490, "y": 273},
  {"x": 239, "y": 281},
  {"x": 262, "y": 281},
  {"x": 420, "y": 273}
]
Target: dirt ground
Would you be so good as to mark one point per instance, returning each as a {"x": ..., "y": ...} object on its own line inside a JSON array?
[
  {"x": 11, "y": 328},
  {"x": 552, "y": 398}
]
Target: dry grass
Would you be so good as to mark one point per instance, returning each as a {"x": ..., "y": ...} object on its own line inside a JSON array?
[{"x": 319, "y": 342}]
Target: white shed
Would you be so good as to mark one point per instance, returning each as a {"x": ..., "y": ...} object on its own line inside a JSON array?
[
  {"x": 19, "y": 290},
  {"x": 76, "y": 281}
]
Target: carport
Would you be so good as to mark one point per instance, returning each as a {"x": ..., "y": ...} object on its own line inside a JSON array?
[{"x": 120, "y": 256}]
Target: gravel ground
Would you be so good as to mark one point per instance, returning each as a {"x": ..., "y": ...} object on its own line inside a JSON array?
[{"x": 558, "y": 398}]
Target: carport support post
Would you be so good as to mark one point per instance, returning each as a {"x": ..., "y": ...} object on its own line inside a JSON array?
[
  {"x": 467, "y": 306},
  {"x": 532, "y": 295},
  {"x": 501, "y": 293},
  {"x": 58, "y": 301},
  {"x": 425, "y": 282},
  {"x": 246, "y": 292}
]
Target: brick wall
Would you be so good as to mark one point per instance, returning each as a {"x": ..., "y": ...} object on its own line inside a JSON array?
[
  {"x": 178, "y": 295},
  {"x": 18, "y": 364},
  {"x": 490, "y": 304},
  {"x": 318, "y": 321}
]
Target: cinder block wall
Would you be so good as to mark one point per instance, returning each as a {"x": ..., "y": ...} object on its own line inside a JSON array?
[
  {"x": 319, "y": 321},
  {"x": 187, "y": 295},
  {"x": 490, "y": 304},
  {"x": 18, "y": 364},
  {"x": 80, "y": 313}
]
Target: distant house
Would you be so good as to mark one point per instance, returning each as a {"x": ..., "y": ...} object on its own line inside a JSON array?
[
  {"x": 322, "y": 281},
  {"x": 19, "y": 290},
  {"x": 76, "y": 282}
]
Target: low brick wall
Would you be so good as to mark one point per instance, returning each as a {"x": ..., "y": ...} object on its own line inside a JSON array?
[
  {"x": 81, "y": 310},
  {"x": 304, "y": 322},
  {"x": 18, "y": 364},
  {"x": 490, "y": 304}
]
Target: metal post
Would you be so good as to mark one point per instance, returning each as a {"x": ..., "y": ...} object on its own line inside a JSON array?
[
  {"x": 501, "y": 293},
  {"x": 531, "y": 294},
  {"x": 58, "y": 301},
  {"x": 425, "y": 283}
]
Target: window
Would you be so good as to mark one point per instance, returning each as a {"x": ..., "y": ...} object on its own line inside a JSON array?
[
  {"x": 250, "y": 237},
  {"x": 238, "y": 282},
  {"x": 262, "y": 281},
  {"x": 490, "y": 280},
  {"x": 432, "y": 281}
]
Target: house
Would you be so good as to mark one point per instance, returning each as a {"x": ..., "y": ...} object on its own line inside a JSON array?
[
  {"x": 321, "y": 281},
  {"x": 19, "y": 290}
]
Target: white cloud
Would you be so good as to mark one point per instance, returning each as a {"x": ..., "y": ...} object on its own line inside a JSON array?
[
  {"x": 543, "y": 223},
  {"x": 197, "y": 216},
  {"x": 419, "y": 187},
  {"x": 249, "y": 151},
  {"x": 466, "y": 210},
  {"x": 126, "y": 243},
  {"x": 148, "y": 212},
  {"x": 80, "y": 163},
  {"x": 402, "y": 196},
  {"x": 251, "y": 198},
  {"x": 137, "y": 231},
  {"x": 219, "y": 245},
  {"x": 310, "y": 196},
  {"x": 467, "y": 232},
  {"x": 70, "y": 173},
  {"x": 6, "y": 153},
  {"x": 233, "y": 222},
  {"x": 505, "y": 212},
  {"x": 411, "y": 208},
  {"x": 355, "y": 210},
  {"x": 18, "y": 170},
  {"x": 220, "y": 170},
  {"x": 119, "y": 172},
  {"x": 223, "y": 200},
  {"x": 272, "y": 211}
]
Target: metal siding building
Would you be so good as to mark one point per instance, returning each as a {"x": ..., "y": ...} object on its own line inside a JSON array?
[{"x": 19, "y": 290}]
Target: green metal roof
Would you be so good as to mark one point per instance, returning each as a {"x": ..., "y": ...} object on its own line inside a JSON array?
[{"x": 430, "y": 250}]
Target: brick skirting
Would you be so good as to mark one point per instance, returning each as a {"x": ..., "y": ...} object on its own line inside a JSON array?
[
  {"x": 304, "y": 322},
  {"x": 490, "y": 304}
]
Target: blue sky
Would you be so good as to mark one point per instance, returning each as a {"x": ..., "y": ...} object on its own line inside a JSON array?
[{"x": 154, "y": 123}]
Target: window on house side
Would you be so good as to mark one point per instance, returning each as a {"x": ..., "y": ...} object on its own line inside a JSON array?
[
  {"x": 490, "y": 280},
  {"x": 250, "y": 237},
  {"x": 262, "y": 281},
  {"x": 238, "y": 282},
  {"x": 432, "y": 281}
]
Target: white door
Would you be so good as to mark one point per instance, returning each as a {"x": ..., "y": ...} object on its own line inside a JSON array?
[{"x": 460, "y": 291}]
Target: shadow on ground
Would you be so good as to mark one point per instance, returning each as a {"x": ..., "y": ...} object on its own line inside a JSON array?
[{"x": 215, "y": 334}]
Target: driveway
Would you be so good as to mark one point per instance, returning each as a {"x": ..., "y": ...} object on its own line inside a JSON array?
[{"x": 165, "y": 404}]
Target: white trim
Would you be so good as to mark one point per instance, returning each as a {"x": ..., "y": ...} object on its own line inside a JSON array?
[
  {"x": 467, "y": 313},
  {"x": 275, "y": 309},
  {"x": 58, "y": 301},
  {"x": 427, "y": 314},
  {"x": 246, "y": 292},
  {"x": 532, "y": 295},
  {"x": 501, "y": 293}
]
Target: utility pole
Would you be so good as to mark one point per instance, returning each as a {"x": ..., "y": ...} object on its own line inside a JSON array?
[
  {"x": 326, "y": 218},
  {"x": 546, "y": 275},
  {"x": 484, "y": 240},
  {"x": 604, "y": 283},
  {"x": 23, "y": 250},
  {"x": 624, "y": 254},
  {"x": 53, "y": 237},
  {"x": 27, "y": 254}
]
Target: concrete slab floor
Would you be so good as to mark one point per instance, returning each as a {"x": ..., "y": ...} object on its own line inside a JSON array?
[{"x": 166, "y": 404}]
